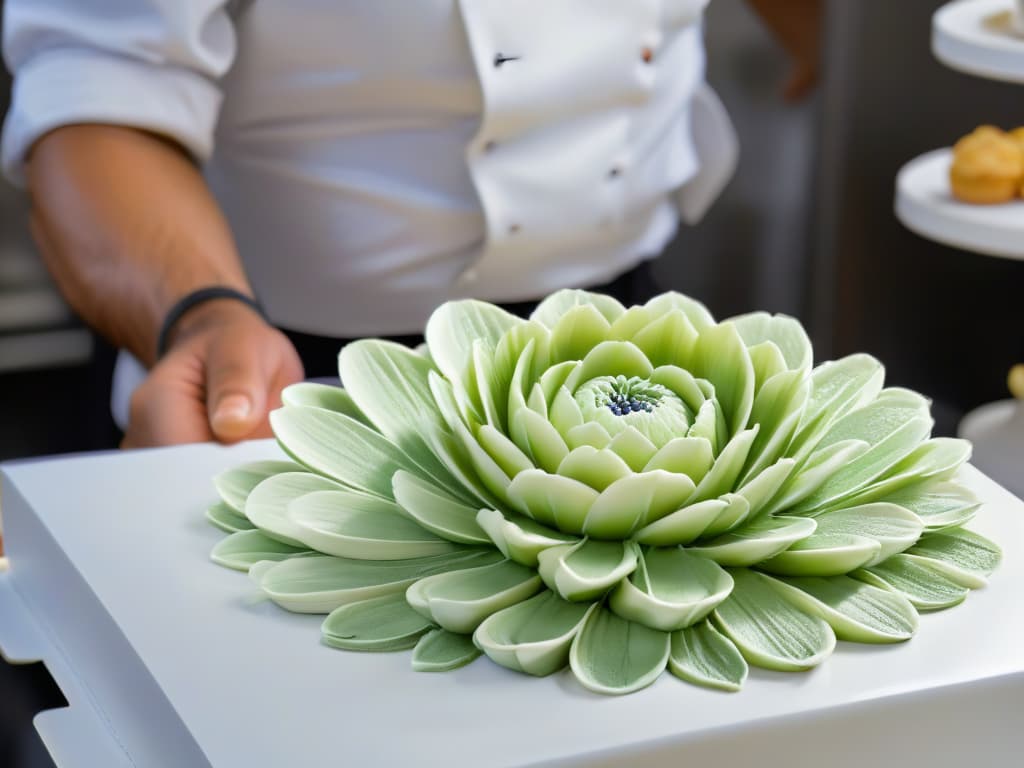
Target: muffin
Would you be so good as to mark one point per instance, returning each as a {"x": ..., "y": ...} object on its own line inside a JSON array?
[{"x": 988, "y": 167}]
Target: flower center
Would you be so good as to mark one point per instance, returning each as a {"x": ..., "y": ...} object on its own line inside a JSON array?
[{"x": 618, "y": 402}]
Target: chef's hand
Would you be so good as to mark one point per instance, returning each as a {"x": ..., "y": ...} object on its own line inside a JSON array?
[{"x": 220, "y": 378}]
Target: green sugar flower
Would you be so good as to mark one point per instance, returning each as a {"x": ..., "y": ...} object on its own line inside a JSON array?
[{"x": 616, "y": 490}]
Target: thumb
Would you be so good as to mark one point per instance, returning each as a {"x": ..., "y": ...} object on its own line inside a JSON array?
[{"x": 236, "y": 391}]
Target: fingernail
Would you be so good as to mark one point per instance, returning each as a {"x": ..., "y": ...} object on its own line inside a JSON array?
[{"x": 233, "y": 408}]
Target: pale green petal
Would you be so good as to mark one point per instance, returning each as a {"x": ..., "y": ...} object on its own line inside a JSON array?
[
  {"x": 554, "y": 378},
  {"x": 533, "y": 636},
  {"x": 721, "y": 357},
  {"x": 727, "y": 467},
  {"x": 596, "y": 468},
  {"x": 613, "y": 656},
  {"x": 443, "y": 651},
  {"x": 767, "y": 360},
  {"x": 709, "y": 424},
  {"x": 635, "y": 449},
  {"x": 837, "y": 387},
  {"x": 267, "y": 505},
  {"x": 670, "y": 589},
  {"x": 484, "y": 385},
  {"x": 235, "y": 485},
  {"x": 577, "y": 332},
  {"x": 552, "y": 499},
  {"x": 505, "y": 453},
  {"x": 938, "y": 458},
  {"x": 340, "y": 448},
  {"x": 940, "y": 505},
  {"x": 785, "y": 332},
  {"x": 519, "y": 538},
  {"x": 964, "y": 556},
  {"x": 824, "y": 554},
  {"x": 893, "y": 527},
  {"x": 326, "y": 396},
  {"x": 629, "y": 323},
  {"x": 319, "y": 584},
  {"x": 455, "y": 325},
  {"x": 611, "y": 358},
  {"x": 856, "y": 611},
  {"x": 702, "y": 655},
  {"x": 558, "y": 304},
  {"x": 348, "y": 524},
  {"x": 756, "y": 541},
  {"x": 510, "y": 351},
  {"x": 227, "y": 519},
  {"x": 243, "y": 549},
  {"x": 925, "y": 585},
  {"x": 437, "y": 512},
  {"x": 696, "y": 312},
  {"x": 735, "y": 513},
  {"x": 776, "y": 411},
  {"x": 590, "y": 433},
  {"x": 669, "y": 340},
  {"x": 633, "y": 501},
  {"x": 761, "y": 489},
  {"x": 770, "y": 631},
  {"x": 536, "y": 402},
  {"x": 819, "y": 468},
  {"x": 460, "y": 600},
  {"x": 586, "y": 570},
  {"x": 682, "y": 383},
  {"x": 682, "y": 526},
  {"x": 546, "y": 446},
  {"x": 380, "y": 624},
  {"x": 565, "y": 412},
  {"x": 690, "y": 456}
]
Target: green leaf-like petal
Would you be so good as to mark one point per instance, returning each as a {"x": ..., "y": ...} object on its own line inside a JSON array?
[
  {"x": 702, "y": 655},
  {"x": 633, "y": 501},
  {"x": 696, "y": 313},
  {"x": 769, "y": 630},
  {"x": 824, "y": 554},
  {"x": 348, "y": 524},
  {"x": 964, "y": 556},
  {"x": 682, "y": 526},
  {"x": 443, "y": 651},
  {"x": 777, "y": 409},
  {"x": 613, "y": 656},
  {"x": 242, "y": 550},
  {"x": 559, "y": 303},
  {"x": 690, "y": 456},
  {"x": 326, "y": 396},
  {"x": 455, "y": 325},
  {"x": 596, "y": 468},
  {"x": 757, "y": 541},
  {"x": 267, "y": 505},
  {"x": 520, "y": 538},
  {"x": 553, "y": 500},
  {"x": 856, "y": 611},
  {"x": 892, "y": 526},
  {"x": 235, "y": 485},
  {"x": 762, "y": 487},
  {"x": 721, "y": 357},
  {"x": 818, "y": 469},
  {"x": 727, "y": 467},
  {"x": 227, "y": 519},
  {"x": 670, "y": 589},
  {"x": 937, "y": 458},
  {"x": 925, "y": 585},
  {"x": 460, "y": 600},
  {"x": 380, "y": 624},
  {"x": 669, "y": 340},
  {"x": 546, "y": 446},
  {"x": 340, "y": 448},
  {"x": 319, "y": 584},
  {"x": 635, "y": 449},
  {"x": 586, "y": 570},
  {"x": 505, "y": 453},
  {"x": 577, "y": 332},
  {"x": 437, "y": 512},
  {"x": 533, "y": 636},
  {"x": 784, "y": 332},
  {"x": 940, "y": 505}
]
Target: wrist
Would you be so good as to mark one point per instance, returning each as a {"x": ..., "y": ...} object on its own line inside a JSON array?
[{"x": 206, "y": 309}]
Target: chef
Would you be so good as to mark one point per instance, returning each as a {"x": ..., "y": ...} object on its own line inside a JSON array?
[{"x": 218, "y": 186}]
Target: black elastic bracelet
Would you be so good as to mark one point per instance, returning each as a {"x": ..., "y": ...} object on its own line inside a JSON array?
[{"x": 197, "y": 297}]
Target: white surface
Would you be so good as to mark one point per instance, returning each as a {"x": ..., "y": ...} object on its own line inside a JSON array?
[
  {"x": 997, "y": 431},
  {"x": 978, "y": 37},
  {"x": 250, "y": 685},
  {"x": 925, "y": 204}
]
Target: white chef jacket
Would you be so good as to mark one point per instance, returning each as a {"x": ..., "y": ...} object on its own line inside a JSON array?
[{"x": 378, "y": 157}]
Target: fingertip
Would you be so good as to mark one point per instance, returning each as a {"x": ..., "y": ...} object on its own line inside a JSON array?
[{"x": 233, "y": 417}]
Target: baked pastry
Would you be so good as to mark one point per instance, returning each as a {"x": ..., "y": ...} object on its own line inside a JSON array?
[{"x": 988, "y": 166}]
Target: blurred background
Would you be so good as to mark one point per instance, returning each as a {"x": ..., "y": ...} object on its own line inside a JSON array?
[{"x": 806, "y": 228}]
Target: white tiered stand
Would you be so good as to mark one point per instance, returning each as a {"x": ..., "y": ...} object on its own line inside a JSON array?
[{"x": 973, "y": 36}]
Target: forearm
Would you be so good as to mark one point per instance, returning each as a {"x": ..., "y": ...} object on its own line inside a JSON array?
[{"x": 126, "y": 226}]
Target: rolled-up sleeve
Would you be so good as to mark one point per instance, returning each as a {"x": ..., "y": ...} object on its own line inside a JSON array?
[{"x": 150, "y": 64}]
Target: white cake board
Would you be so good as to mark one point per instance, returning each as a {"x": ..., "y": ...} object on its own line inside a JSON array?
[
  {"x": 169, "y": 660},
  {"x": 977, "y": 37},
  {"x": 925, "y": 205}
]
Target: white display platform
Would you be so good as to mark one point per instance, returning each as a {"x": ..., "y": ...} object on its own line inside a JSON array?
[
  {"x": 926, "y": 206},
  {"x": 169, "y": 660},
  {"x": 976, "y": 37},
  {"x": 997, "y": 431}
]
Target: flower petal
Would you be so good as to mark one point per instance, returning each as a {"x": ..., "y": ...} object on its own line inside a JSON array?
[
  {"x": 460, "y": 600},
  {"x": 586, "y": 570},
  {"x": 892, "y": 526},
  {"x": 777, "y": 410},
  {"x": 614, "y": 656},
  {"x": 721, "y": 357},
  {"x": 596, "y": 468},
  {"x": 235, "y": 485},
  {"x": 455, "y": 325},
  {"x": 940, "y": 504},
  {"x": 589, "y": 433},
  {"x": 964, "y": 556},
  {"x": 380, "y": 624},
  {"x": 690, "y": 456},
  {"x": 856, "y": 611},
  {"x": 533, "y": 636},
  {"x": 520, "y": 538},
  {"x": 633, "y": 501},
  {"x": 443, "y": 651},
  {"x": 682, "y": 526},
  {"x": 635, "y": 449},
  {"x": 670, "y": 589},
  {"x": 546, "y": 446},
  {"x": 326, "y": 396},
  {"x": 559, "y": 303},
  {"x": 577, "y": 332},
  {"x": 505, "y": 453},
  {"x": 267, "y": 505},
  {"x": 727, "y": 467},
  {"x": 436, "y": 511},
  {"x": 937, "y": 458},
  {"x": 552, "y": 499},
  {"x": 702, "y": 655},
  {"x": 611, "y": 358},
  {"x": 242, "y": 550},
  {"x": 784, "y": 332},
  {"x": 227, "y": 519},
  {"x": 756, "y": 541},
  {"x": 824, "y": 554},
  {"x": 696, "y": 312},
  {"x": 924, "y": 584},
  {"x": 361, "y": 527},
  {"x": 668, "y": 340},
  {"x": 769, "y": 630},
  {"x": 735, "y": 513},
  {"x": 818, "y": 469}
]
